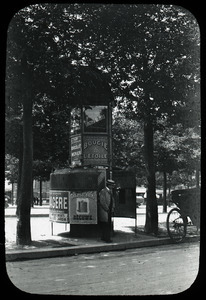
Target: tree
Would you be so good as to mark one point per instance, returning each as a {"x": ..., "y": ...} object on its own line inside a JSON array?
[
  {"x": 41, "y": 172},
  {"x": 157, "y": 69},
  {"x": 22, "y": 87},
  {"x": 25, "y": 191},
  {"x": 154, "y": 62},
  {"x": 176, "y": 148},
  {"x": 33, "y": 54}
]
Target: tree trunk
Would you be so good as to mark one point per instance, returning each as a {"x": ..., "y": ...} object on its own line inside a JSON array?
[
  {"x": 40, "y": 191},
  {"x": 32, "y": 193},
  {"x": 23, "y": 236},
  {"x": 151, "y": 225},
  {"x": 12, "y": 193},
  {"x": 197, "y": 177},
  {"x": 165, "y": 192},
  {"x": 19, "y": 179},
  {"x": 169, "y": 193}
]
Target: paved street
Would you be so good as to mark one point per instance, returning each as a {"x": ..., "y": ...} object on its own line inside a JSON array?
[{"x": 165, "y": 269}]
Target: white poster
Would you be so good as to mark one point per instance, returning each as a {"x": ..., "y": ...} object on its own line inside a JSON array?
[{"x": 83, "y": 207}]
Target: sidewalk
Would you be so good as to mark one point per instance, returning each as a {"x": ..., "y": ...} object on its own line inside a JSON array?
[
  {"x": 36, "y": 211},
  {"x": 43, "y": 210},
  {"x": 61, "y": 244}
]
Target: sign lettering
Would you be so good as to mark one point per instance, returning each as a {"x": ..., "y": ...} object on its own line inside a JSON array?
[
  {"x": 58, "y": 206},
  {"x": 95, "y": 142},
  {"x": 76, "y": 150},
  {"x": 95, "y": 150}
]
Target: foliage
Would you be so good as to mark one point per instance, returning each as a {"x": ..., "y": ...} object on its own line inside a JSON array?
[
  {"x": 50, "y": 132},
  {"x": 153, "y": 60},
  {"x": 177, "y": 148},
  {"x": 127, "y": 143},
  {"x": 11, "y": 168}
]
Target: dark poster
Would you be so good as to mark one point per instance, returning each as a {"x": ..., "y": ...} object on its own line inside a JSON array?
[{"x": 125, "y": 194}]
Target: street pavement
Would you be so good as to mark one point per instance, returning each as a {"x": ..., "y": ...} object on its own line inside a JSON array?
[{"x": 161, "y": 270}]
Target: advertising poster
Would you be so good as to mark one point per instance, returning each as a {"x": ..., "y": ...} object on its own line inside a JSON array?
[
  {"x": 76, "y": 150},
  {"x": 95, "y": 150},
  {"x": 125, "y": 200},
  {"x": 58, "y": 208},
  {"x": 83, "y": 207}
]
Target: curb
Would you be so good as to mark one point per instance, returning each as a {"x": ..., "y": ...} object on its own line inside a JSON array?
[{"x": 75, "y": 250}]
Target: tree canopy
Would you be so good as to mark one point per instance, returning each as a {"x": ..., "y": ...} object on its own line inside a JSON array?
[{"x": 152, "y": 63}]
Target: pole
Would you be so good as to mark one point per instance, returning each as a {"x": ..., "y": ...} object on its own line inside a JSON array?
[
  {"x": 135, "y": 229},
  {"x": 52, "y": 228},
  {"x": 110, "y": 139},
  {"x": 40, "y": 191},
  {"x": 12, "y": 193},
  {"x": 165, "y": 192}
]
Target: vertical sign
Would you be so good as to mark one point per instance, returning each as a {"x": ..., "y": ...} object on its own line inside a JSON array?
[
  {"x": 76, "y": 150},
  {"x": 58, "y": 208},
  {"x": 83, "y": 207}
]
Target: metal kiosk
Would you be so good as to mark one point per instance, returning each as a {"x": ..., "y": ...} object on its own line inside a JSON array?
[{"x": 74, "y": 190}]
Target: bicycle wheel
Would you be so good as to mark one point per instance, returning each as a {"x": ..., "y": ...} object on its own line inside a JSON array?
[{"x": 176, "y": 225}]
